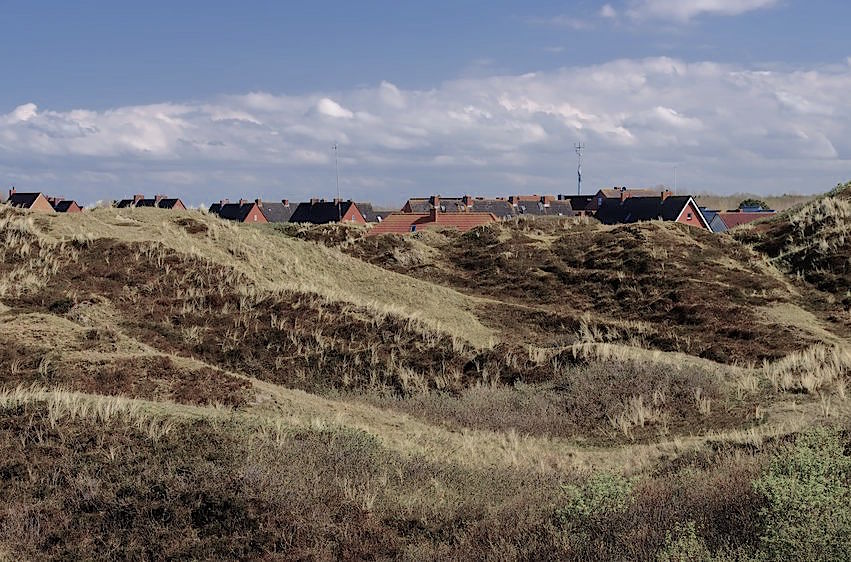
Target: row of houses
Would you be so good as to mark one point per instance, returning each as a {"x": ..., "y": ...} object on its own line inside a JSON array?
[
  {"x": 615, "y": 205},
  {"x": 40, "y": 202}
]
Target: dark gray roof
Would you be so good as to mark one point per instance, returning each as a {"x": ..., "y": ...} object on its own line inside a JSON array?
[
  {"x": 716, "y": 224},
  {"x": 232, "y": 211},
  {"x": 635, "y": 209},
  {"x": 447, "y": 204},
  {"x": 370, "y": 214},
  {"x": 713, "y": 219},
  {"x": 165, "y": 203},
  {"x": 320, "y": 212},
  {"x": 63, "y": 206},
  {"x": 499, "y": 207},
  {"x": 23, "y": 200},
  {"x": 277, "y": 211},
  {"x": 553, "y": 208},
  {"x": 577, "y": 202}
]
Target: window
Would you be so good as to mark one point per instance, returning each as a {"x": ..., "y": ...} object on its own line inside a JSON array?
[
  {"x": 413, "y": 228},
  {"x": 689, "y": 216}
]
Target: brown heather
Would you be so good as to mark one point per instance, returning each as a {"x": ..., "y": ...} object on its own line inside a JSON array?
[{"x": 179, "y": 387}]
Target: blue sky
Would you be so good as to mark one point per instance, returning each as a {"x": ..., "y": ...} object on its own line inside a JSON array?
[{"x": 203, "y": 99}]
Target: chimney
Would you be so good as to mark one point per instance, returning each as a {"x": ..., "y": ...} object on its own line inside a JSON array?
[
  {"x": 138, "y": 197},
  {"x": 11, "y": 192},
  {"x": 223, "y": 202},
  {"x": 665, "y": 194},
  {"x": 435, "y": 207},
  {"x": 242, "y": 201},
  {"x": 337, "y": 200},
  {"x": 286, "y": 202},
  {"x": 158, "y": 198},
  {"x": 314, "y": 200},
  {"x": 624, "y": 194},
  {"x": 468, "y": 201},
  {"x": 259, "y": 202}
]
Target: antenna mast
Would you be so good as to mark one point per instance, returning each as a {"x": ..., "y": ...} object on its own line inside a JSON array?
[
  {"x": 337, "y": 178},
  {"x": 579, "y": 147}
]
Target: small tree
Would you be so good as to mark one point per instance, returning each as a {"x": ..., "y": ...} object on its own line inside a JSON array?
[
  {"x": 750, "y": 202},
  {"x": 808, "y": 516}
]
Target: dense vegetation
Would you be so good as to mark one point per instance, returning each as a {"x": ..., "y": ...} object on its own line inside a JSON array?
[{"x": 176, "y": 387}]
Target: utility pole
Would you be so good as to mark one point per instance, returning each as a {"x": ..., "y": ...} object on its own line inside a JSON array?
[
  {"x": 579, "y": 147},
  {"x": 337, "y": 177}
]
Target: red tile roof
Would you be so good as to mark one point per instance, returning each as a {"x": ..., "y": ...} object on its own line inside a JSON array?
[
  {"x": 402, "y": 223},
  {"x": 737, "y": 218}
]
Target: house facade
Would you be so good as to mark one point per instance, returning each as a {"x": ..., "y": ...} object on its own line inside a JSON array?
[
  {"x": 241, "y": 211},
  {"x": 64, "y": 205},
  {"x": 319, "y": 211},
  {"x": 663, "y": 206},
  {"x": 276, "y": 211},
  {"x": 35, "y": 201}
]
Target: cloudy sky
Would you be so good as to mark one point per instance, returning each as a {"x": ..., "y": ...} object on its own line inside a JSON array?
[{"x": 212, "y": 99}]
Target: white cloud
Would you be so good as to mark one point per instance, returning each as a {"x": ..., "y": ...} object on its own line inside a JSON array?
[
  {"x": 22, "y": 113},
  {"x": 329, "y": 107},
  {"x": 727, "y": 128},
  {"x": 608, "y": 11},
  {"x": 685, "y": 10}
]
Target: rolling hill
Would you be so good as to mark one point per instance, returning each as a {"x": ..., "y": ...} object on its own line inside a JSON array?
[{"x": 175, "y": 386}]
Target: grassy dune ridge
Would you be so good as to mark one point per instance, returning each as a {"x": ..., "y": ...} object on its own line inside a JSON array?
[{"x": 175, "y": 386}]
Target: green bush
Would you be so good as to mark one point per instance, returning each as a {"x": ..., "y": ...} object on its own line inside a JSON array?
[
  {"x": 684, "y": 546},
  {"x": 808, "y": 512},
  {"x": 604, "y": 493}
]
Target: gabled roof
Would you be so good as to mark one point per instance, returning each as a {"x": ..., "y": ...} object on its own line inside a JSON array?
[
  {"x": 370, "y": 214},
  {"x": 277, "y": 211},
  {"x": 737, "y": 218},
  {"x": 447, "y": 204},
  {"x": 164, "y": 203},
  {"x": 64, "y": 205},
  {"x": 321, "y": 212},
  {"x": 615, "y": 192},
  {"x": 403, "y": 223},
  {"x": 636, "y": 209},
  {"x": 553, "y": 208},
  {"x": 578, "y": 202},
  {"x": 499, "y": 207},
  {"x": 23, "y": 200},
  {"x": 232, "y": 211}
]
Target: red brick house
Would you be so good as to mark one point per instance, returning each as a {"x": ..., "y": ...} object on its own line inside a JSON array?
[
  {"x": 663, "y": 206},
  {"x": 61, "y": 205},
  {"x": 243, "y": 211},
  {"x": 33, "y": 201},
  {"x": 319, "y": 211},
  {"x": 403, "y": 223}
]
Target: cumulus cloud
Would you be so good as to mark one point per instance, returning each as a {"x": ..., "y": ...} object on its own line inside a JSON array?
[
  {"x": 685, "y": 10},
  {"x": 726, "y": 128},
  {"x": 329, "y": 107}
]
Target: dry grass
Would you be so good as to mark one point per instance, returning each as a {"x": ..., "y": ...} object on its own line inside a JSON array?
[{"x": 270, "y": 261}]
